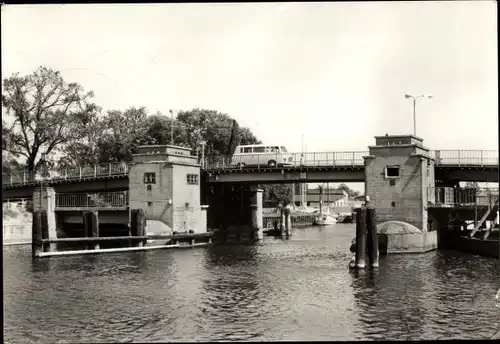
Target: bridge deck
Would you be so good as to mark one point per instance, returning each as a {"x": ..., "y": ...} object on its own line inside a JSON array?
[{"x": 452, "y": 160}]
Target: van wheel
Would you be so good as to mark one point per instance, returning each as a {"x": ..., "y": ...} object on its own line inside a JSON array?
[
  {"x": 241, "y": 164},
  {"x": 271, "y": 163}
]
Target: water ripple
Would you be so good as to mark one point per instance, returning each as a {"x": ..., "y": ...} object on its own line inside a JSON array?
[{"x": 296, "y": 289}]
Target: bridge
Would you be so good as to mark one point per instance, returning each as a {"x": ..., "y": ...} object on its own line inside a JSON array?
[
  {"x": 461, "y": 165},
  {"x": 176, "y": 188}
]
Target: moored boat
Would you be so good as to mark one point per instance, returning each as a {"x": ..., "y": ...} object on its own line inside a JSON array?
[{"x": 324, "y": 220}]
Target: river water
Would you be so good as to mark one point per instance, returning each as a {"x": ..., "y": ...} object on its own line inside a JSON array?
[{"x": 295, "y": 289}]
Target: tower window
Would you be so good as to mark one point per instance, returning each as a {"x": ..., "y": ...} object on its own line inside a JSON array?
[
  {"x": 392, "y": 172},
  {"x": 192, "y": 179},
  {"x": 149, "y": 178}
]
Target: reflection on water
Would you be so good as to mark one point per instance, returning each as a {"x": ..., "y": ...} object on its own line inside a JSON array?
[{"x": 295, "y": 289}]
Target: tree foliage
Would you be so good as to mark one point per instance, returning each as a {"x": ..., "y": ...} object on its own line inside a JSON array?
[
  {"x": 52, "y": 116},
  {"x": 47, "y": 113},
  {"x": 348, "y": 190},
  {"x": 278, "y": 193}
]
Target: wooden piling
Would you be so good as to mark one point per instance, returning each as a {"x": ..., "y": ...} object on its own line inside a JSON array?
[
  {"x": 133, "y": 225},
  {"x": 288, "y": 221},
  {"x": 371, "y": 238},
  {"x": 86, "y": 227},
  {"x": 360, "y": 238},
  {"x": 93, "y": 217},
  {"x": 140, "y": 226},
  {"x": 36, "y": 231},
  {"x": 45, "y": 228}
]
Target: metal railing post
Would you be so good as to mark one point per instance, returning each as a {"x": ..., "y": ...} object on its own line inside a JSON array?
[
  {"x": 481, "y": 162},
  {"x": 109, "y": 169},
  {"x": 80, "y": 172},
  {"x": 459, "y": 162},
  {"x": 353, "y": 158},
  {"x": 95, "y": 171},
  {"x": 24, "y": 177}
]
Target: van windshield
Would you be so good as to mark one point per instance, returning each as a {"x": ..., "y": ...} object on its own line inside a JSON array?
[{"x": 283, "y": 149}]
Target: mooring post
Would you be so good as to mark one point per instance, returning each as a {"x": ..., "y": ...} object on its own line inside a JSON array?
[
  {"x": 86, "y": 227},
  {"x": 372, "y": 242},
  {"x": 140, "y": 226},
  {"x": 45, "y": 228},
  {"x": 133, "y": 225},
  {"x": 36, "y": 231},
  {"x": 360, "y": 238},
  {"x": 94, "y": 228},
  {"x": 288, "y": 221}
]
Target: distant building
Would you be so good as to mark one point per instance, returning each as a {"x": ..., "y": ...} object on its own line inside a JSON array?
[{"x": 331, "y": 198}]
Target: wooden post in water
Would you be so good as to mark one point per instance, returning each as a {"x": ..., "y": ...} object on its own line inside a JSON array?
[
  {"x": 142, "y": 229},
  {"x": 133, "y": 225},
  {"x": 86, "y": 227},
  {"x": 288, "y": 221},
  {"x": 140, "y": 223},
  {"x": 360, "y": 238},
  {"x": 93, "y": 219},
  {"x": 36, "y": 231},
  {"x": 45, "y": 228},
  {"x": 371, "y": 238}
]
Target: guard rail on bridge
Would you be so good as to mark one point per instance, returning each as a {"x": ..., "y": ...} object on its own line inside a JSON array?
[
  {"x": 443, "y": 158},
  {"x": 448, "y": 196},
  {"x": 70, "y": 173},
  {"x": 117, "y": 199},
  {"x": 479, "y": 158},
  {"x": 314, "y": 159}
]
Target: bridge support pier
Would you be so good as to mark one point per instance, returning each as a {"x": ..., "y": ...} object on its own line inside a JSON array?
[
  {"x": 257, "y": 220},
  {"x": 398, "y": 172},
  {"x": 235, "y": 212},
  {"x": 45, "y": 198}
]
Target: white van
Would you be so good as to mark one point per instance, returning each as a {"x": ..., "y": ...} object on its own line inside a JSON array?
[{"x": 261, "y": 155}]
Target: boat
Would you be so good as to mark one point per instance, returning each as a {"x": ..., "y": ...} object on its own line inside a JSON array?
[{"x": 324, "y": 218}]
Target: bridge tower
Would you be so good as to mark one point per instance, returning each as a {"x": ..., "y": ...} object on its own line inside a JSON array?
[
  {"x": 164, "y": 180},
  {"x": 398, "y": 172}
]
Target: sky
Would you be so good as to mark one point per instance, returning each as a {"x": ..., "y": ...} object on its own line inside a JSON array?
[{"x": 335, "y": 73}]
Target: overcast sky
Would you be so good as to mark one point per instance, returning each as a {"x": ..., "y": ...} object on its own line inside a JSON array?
[{"x": 335, "y": 72}]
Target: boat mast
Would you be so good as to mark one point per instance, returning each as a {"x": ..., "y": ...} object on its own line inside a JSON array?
[
  {"x": 320, "y": 200},
  {"x": 328, "y": 196}
]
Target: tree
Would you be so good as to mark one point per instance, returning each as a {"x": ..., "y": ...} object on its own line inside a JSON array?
[
  {"x": 214, "y": 128},
  {"x": 278, "y": 193},
  {"x": 46, "y": 112},
  {"x": 85, "y": 150},
  {"x": 348, "y": 190},
  {"x": 123, "y": 132}
]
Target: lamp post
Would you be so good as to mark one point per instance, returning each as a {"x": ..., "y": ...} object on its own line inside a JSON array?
[
  {"x": 202, "y": 144},
  {"x": 43, "y": 166},
  {"x": 407, "y": 96},
  {"x": 171, "y": 127}
]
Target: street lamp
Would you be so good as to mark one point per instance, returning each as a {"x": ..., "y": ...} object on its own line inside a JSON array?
[
  {"x": 427, "y": 96},
  {"x": 202, "y": 144},
  {"x": 171, "y": 127}
]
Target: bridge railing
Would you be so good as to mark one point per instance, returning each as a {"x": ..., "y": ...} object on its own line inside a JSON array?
[
  {"x": 92, "y": 200},
  {"x": 310, "y": 159},
  {"x": 465, "y": 157},
  {"x": 70, "y": 173},
  {"x": 461, "y": 196}
]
